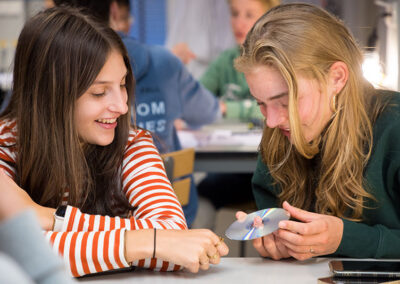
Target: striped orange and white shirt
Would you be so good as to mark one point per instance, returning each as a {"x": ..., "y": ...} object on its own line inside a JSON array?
[{"x": 94, "y": 243}]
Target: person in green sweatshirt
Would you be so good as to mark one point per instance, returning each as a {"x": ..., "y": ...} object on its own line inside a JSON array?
[
  {"x": 330, "y": 152},
  {"x": 221, "y": 78}
]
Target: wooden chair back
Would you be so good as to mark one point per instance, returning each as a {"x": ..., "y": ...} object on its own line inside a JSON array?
[{"x": 179, "y": 167}]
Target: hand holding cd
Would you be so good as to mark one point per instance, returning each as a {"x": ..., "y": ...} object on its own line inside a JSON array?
[{"x": 257, "y": 224}]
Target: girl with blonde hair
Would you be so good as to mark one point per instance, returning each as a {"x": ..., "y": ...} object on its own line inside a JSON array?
[{"x": 330, "y": 152}]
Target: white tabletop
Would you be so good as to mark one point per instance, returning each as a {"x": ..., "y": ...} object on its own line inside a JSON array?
[{"x": 230, "y": 270}]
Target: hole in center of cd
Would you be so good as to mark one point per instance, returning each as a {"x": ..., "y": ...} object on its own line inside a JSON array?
[{"x": 258, "y": 223}]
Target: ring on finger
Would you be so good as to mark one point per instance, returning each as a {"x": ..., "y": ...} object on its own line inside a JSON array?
[
  {"x": 215, "y": 256},
  {"x": 221, "y": 240}
]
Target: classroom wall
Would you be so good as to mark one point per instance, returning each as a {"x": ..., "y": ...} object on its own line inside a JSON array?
[{"x": 13, "y": 14}]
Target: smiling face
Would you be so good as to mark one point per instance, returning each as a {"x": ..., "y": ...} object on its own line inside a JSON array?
[
  {"x": 97, "y": 110},
  {"x": 270, "y": 90},
  {"x": 244, "y": 13}
]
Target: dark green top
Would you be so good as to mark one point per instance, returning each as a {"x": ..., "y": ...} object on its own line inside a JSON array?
[
  {"x": 378, "y": 235},
  {"x": 224, "y": 81}
]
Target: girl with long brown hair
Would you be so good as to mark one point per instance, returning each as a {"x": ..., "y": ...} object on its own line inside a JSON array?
[
  {"x": 330, "y": 152},
  {"x": 96, "y": 182}
]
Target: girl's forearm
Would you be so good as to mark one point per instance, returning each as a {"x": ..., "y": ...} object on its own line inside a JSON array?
[{"x": 139, "y": 244}]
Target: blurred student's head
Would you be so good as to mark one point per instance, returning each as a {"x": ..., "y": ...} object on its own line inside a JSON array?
[
  {"x": 244, "y": 13},
  {"x": 120, "y": 16},
  {"x": 48, "y": 4},
  {"x": 116, "y": 13}
]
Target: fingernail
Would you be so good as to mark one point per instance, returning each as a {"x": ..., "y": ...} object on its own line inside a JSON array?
[{"x": 282, "y": 225}]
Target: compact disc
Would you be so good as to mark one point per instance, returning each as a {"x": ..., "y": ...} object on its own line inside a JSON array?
[{"x": 244, "y": 229}]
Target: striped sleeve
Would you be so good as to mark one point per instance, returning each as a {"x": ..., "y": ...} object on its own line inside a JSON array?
[
  {"x": 147, "y": 187},
  {"x": 90, "y": 243},
  {"x": 90, "y": 252}
]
